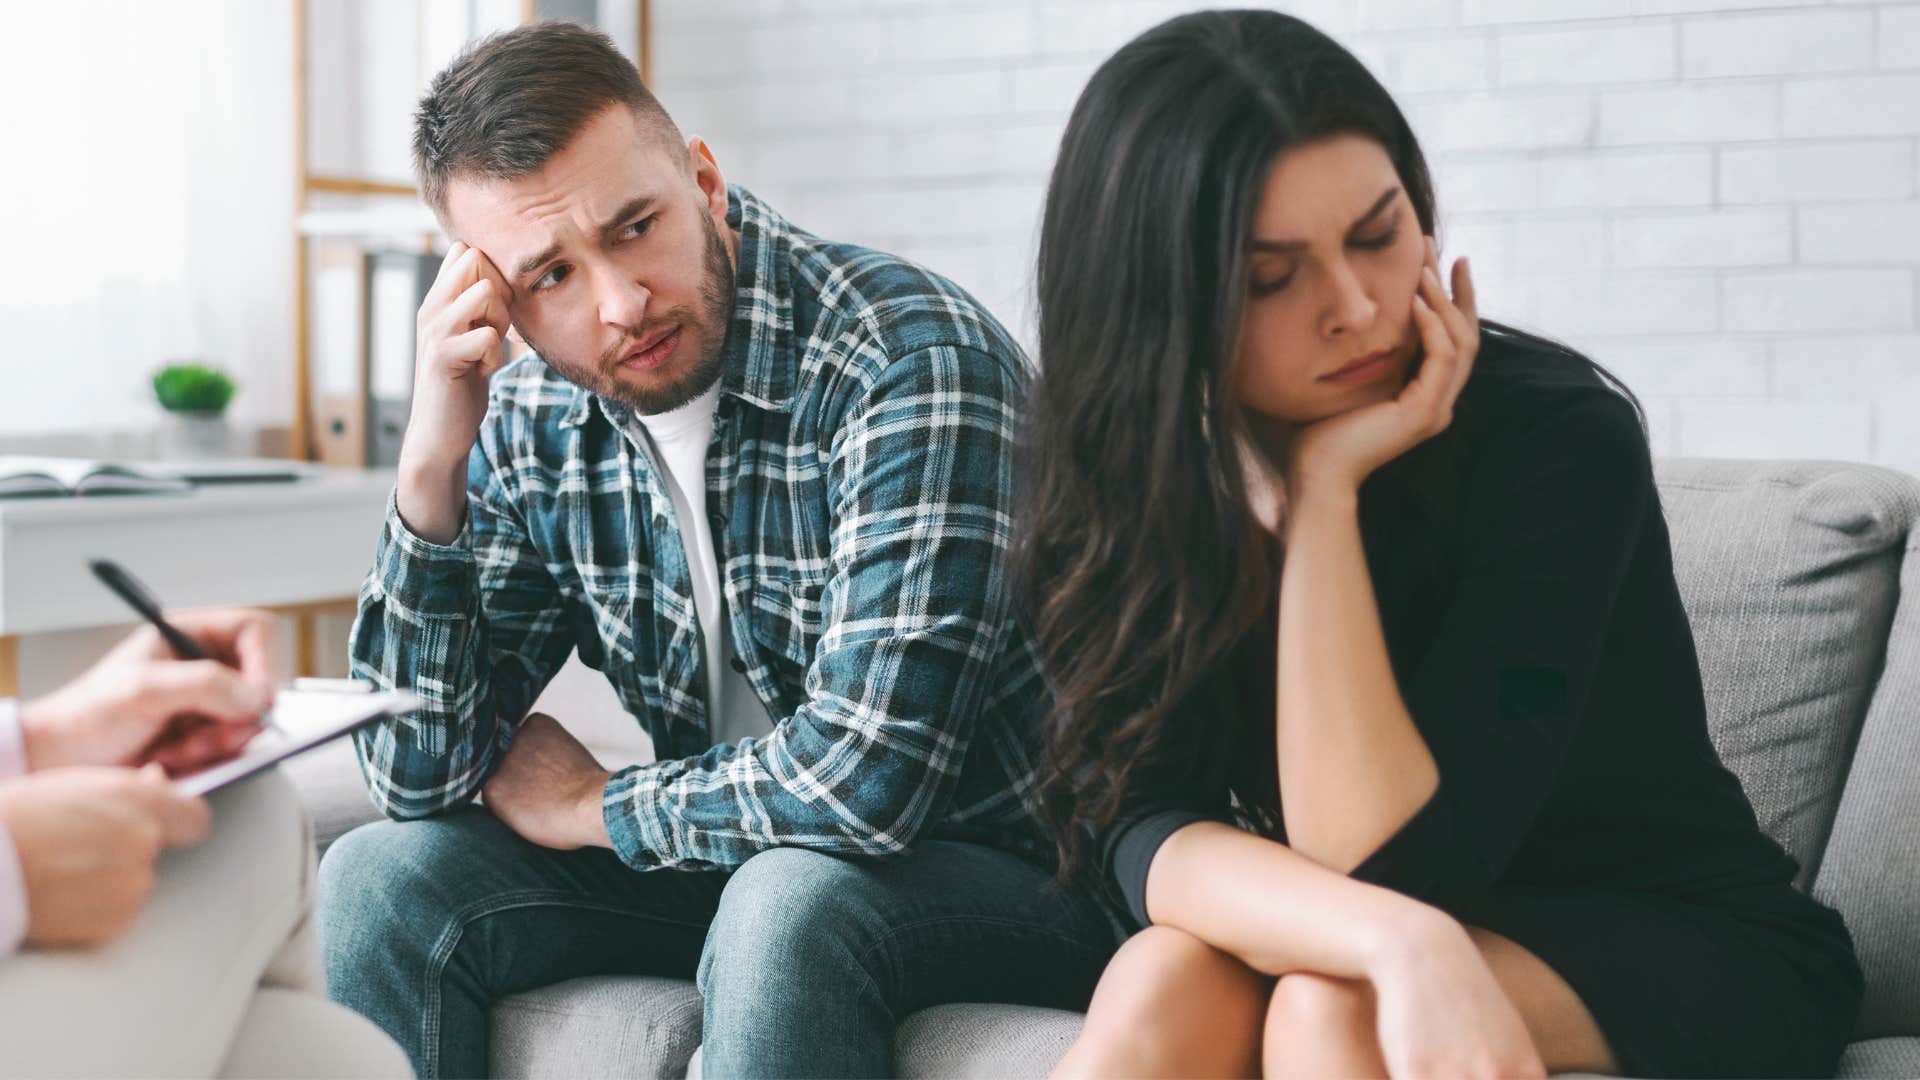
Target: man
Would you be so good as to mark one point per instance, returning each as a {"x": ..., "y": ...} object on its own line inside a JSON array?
[
  {"x": 195, "y": 960},
  {"x": 761, "y": 481}
]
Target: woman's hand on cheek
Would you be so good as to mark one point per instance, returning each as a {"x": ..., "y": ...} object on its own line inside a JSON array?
[{"x": 1342, "y": 450}]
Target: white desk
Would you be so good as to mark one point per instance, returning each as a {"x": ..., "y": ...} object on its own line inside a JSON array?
[{"x": 296, "y": 548}]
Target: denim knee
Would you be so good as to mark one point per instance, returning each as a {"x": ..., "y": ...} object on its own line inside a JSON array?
[
  {"x": 376, "y": 893},
  {"x": 788, "y": 917}
]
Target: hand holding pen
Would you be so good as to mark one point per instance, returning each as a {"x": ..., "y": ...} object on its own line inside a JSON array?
[{"x": 184, "y": 692}]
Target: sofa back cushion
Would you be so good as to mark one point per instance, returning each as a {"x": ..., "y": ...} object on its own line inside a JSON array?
[
  {"x": 1870, "y": 870},
  {"x": 1789, "y": 573},
  {"x": 1802, "y": 582}
]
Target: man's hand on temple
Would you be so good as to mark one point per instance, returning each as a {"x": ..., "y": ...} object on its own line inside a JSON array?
[{"x": 548, "y": 788}]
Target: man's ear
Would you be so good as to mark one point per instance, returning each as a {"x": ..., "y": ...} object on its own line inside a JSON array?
[{"x": 707, "y": 176}]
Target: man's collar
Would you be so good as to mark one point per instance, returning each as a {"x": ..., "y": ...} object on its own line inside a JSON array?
[
  {"x": 762, "y": 362},
  {"x": 762, "y": 365}
]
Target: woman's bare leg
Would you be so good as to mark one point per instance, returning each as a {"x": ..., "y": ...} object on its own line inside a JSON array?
[
  {"x": 1563, "y": 1031},
  {"x": 1171, "y": 1005},
  {"x": 1320, "y": 1026}
]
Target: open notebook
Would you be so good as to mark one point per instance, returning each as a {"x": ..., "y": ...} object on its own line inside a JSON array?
[{"x": 29, "y": 477}]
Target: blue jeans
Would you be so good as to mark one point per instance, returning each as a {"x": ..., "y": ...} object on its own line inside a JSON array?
[{"x": 805, "y": 961}]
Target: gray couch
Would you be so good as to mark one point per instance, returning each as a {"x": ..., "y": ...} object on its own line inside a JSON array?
[{"x": 1802, "y": 581}]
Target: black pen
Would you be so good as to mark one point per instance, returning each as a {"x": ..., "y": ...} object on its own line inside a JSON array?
[{"x": 128, "y": 588}]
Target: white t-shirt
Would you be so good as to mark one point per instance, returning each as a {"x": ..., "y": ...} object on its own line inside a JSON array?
[{"x": 677, "y": 443}]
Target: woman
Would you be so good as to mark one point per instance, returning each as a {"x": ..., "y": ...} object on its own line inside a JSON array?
[{"x": 1459, "y": 725}]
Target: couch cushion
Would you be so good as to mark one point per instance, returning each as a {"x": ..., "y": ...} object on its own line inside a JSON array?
[
  {"x": 1871, "y": 870},
  {"x": 602, "y": 1025},
  {"x": 332, "y": 790},
  {"x": 983, "y": 1041},
  {"x": 1881, "y": 1057},
  {"x": 1789, "y": 574}
]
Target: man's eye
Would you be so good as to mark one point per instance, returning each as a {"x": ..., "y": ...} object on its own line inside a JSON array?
[
  {"x": 639, "y": 228},
  {"x": 549, "y": 279}
]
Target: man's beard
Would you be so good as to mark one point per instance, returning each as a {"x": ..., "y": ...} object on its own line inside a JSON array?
[{"x": 716, "y": 299}]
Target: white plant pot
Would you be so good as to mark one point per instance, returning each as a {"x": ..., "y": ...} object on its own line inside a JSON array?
[{"x": 196, "y": 436}]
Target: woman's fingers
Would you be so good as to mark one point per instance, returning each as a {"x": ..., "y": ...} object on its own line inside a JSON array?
[
  {"x": 1458, "y": 316},
  {"x": 1437, "y": 368},
  {"x": 1463, "y": 292},
  {"x": 1460, "y": 326}
]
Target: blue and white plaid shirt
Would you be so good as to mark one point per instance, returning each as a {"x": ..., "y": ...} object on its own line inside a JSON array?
[{"x": 859, "y": 482}]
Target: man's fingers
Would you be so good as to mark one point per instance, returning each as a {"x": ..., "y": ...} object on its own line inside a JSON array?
[
  {"x": 478, "y": 348},
  {"x": 486, "y": 271},
  {"x": 482, "y": 304},
  {"x": 457, "y": 272}
]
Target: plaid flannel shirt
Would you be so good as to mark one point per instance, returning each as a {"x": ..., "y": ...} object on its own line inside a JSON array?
[{"x": 859, "y": 486}]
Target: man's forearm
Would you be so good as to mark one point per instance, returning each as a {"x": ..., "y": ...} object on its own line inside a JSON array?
[
  {"x": 432, "y": 498},
  {"x": 1353, "y": 767}
]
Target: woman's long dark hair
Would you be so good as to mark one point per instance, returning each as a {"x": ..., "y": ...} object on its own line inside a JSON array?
[{"x": 1136, "y": 550}]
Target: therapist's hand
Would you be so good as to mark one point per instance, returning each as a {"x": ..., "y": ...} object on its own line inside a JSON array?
[
  {"x": 141, "y": 704},
  {"x": 548, "y": 788},
  {"x": 87, "y": 840}
]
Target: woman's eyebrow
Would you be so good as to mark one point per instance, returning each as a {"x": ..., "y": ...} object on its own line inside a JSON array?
[{"x": 1379, "y": 204}]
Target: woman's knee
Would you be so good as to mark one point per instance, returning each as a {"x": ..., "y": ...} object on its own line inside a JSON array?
[
  {"x": 1314, "y": 1020},
  {"x": 1169, "y": 1002},
  {"x": 1310, "y": 1001}
]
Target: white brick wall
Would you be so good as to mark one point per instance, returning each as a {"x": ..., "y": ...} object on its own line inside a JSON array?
[{"x": 1718, "y": 198}]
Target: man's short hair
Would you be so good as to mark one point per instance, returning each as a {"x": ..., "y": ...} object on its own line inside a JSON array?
[{"x": 512, "y": 100}]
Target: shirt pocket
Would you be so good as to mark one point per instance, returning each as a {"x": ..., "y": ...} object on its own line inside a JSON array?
[
  {"x": 605, "y": 633},
  {"x": 788, "y": 617}
]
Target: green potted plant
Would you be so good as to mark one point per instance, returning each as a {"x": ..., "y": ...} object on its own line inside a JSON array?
[{"x": 195, "y": 398}]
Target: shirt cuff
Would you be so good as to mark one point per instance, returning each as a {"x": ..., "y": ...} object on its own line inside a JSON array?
[
  {"x": 13, "y": 743},
  {"x": 431, "y": 580},
  {"x": 639, "y": 839}
]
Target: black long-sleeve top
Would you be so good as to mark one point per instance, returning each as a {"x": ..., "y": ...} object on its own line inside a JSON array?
[{"x": 1526, "y": 589}]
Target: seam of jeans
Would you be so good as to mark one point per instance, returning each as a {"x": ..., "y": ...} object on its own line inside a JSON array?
[{"x": 474, "y": 912}]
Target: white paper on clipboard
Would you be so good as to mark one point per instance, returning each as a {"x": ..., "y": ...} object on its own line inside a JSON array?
[{"x": 302, "y": 720}]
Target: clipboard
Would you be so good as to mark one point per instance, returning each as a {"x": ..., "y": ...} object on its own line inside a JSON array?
[{"x": 299, "y": 721}]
